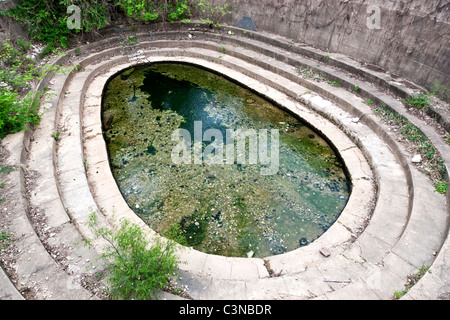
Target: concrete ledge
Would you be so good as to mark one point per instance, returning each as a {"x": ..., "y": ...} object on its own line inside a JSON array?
[{"x": 364, "y": 263}]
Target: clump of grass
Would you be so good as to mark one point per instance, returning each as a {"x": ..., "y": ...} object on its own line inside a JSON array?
[
  {"x": 435, "y": 163},
  {"x": 24, "y": 44},
  {"x": 5, "y": 239},
  {"x": 411, "y": 281},
  {"x": 139, "y": 268},
  {"x": 312, "y": 73},
  {"x": 440, "y": 91},
  {"x": 441, "y": 187},
  {"x": 419, "y": 102},
  {"x": 334, "y": 83}
]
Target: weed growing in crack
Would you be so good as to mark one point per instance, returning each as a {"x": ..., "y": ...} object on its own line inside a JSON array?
[
  {"x": 139, "y": 268},
  {"x": 419, "y": 102},
  {"x": 411, "y": 281},
  {"x": 435, "y": 165}
]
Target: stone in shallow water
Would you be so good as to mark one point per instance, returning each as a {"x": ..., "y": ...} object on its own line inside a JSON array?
[{"x": 303, "y": 242}]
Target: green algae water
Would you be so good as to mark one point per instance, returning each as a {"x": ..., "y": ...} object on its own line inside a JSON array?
[{"x": 227, "y": 208}]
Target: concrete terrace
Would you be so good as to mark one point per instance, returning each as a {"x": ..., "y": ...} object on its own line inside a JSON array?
[{"x": 394, "y": 224}]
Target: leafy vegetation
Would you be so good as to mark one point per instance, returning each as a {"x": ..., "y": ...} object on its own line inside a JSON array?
[
  {"x": 19, "y": 104},
  {"x": 419, "y": 102},
  {"x": 5, "y": 239},
  {"x": 46, "y": 21},
  {"x": 436, "y": 165},
  {"x": 334, "y": 83},
  {"x": 312, "y": 73},
  {"x": 441, "y": 187},
  {"x": 147, "y": 11},
  {"x": 440, "y": 91},
  {"x": 411, "y": 281},
  {"x": 138, "y": 268}
]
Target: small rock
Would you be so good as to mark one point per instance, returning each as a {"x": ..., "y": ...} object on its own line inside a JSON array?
[
  {"x": 250, "y": 254},
  {"x": 325, "y": 252},
  {"x": 417, "y": 159},
  {"x": 355, "y": 120}
]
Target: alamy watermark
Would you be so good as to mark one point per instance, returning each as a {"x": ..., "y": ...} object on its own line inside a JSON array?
[
  {"x": 74, "y": 20},
  {"x": 374, "y": 20},
  {"x": 238, "y": 146}
]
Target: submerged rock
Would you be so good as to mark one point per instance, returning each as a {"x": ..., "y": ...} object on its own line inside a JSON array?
[{"x": 303, "y": 242}]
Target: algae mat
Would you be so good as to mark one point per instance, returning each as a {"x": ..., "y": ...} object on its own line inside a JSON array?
[{"x": 206, "y": 198}]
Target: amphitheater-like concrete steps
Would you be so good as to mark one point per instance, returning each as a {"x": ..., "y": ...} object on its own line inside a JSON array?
[
  {"x": 391, "y": 172},
  {"x": 38, "y": 274},
  {"x": 370, "y": 265}
]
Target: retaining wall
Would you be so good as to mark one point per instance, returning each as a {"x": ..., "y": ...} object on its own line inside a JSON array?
[{"x": 410, "y": 39}]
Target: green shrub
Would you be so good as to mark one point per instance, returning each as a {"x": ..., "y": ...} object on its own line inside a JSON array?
[
  {"x": 334, "y": 83},
  {"x": 158, "y": 10},
  {"x": 412, "y": 280},
  {"x": 18, "y": 106},
  {"x": 441, "y": 187},
  {"x": 138, "y": 267},
  {"x": 24, "y": 44},
  {"x": 16, "y": 113},
  {"x": 408, "y": 130},
  {"x": 46, "y": 21},
  {"x": 173, "y": 10},
  {"x": 419, "y": 101},
  {"x": 440, "y": 91}
]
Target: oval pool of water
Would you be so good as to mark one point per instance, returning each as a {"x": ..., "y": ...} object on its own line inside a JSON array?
[{"x": 274, "y": 192}]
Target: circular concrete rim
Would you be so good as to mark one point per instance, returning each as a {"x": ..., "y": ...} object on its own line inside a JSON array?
[
  {"x": 374, "y": 264},
  {"x": 389, "y": 259},
  {"x": 386, "y": 243},
  {"x": 332, "y": 238}
]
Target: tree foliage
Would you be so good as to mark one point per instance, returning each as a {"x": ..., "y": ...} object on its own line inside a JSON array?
[
  {"x": 46, "y": 22},
  {"x": 139, "y": 268}
]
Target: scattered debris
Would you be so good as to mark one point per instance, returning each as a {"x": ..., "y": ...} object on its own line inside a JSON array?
[{"x": 417, "y": 159}]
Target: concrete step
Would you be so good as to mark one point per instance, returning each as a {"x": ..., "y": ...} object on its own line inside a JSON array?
[
  {"x": 409, "y": 226},
  {"x": 240, "y": 68}
]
